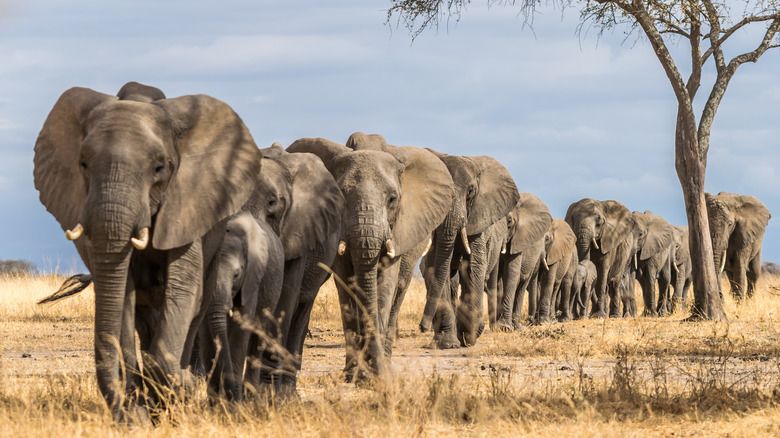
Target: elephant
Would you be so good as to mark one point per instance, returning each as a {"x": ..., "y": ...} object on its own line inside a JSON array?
[
  {"x": 246, "y": 277},
  {"x": 604, "y": 231},
  {"x": 497, "y": 240},
  {"x": 654, "y": 259},
  {"x": 556, "y": 272},
  {"x": 682, "y": 271},
  {"x": 582, "y": 287},
  {"x": 395, "y": 197},
  {"x": 737, "y": 225},
  {"x": 137, "y": 182},
  {"x": 527, "y": 225},
  {"x": 298, "y": 197},
  {"x": 484, "y": 193}
]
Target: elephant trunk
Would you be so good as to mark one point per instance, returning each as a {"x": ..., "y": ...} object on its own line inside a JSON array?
[
  {"x": 584, "y": 239},
  {"x": 366, "y": 236},
  {"x": 217, "y": 319},
  {"x": 446, "y": 234}
]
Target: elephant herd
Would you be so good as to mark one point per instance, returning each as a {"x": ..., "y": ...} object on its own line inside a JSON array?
[{"x": 212, "y": 250}]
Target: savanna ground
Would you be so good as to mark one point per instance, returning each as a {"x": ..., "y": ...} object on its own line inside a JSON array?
[{"x": 631, "y": 377}]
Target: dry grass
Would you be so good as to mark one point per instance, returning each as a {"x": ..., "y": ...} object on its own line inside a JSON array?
[{"x": 636, "y": 377}]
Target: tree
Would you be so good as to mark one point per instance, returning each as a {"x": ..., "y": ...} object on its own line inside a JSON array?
[
  {"x": 17, "y": 267},
  {"x": 706, "y": 25}
]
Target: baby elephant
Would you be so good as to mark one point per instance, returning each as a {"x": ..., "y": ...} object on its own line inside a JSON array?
[
  {"x": 246, "y": 278},
  {"x": 582, "y": 287}
]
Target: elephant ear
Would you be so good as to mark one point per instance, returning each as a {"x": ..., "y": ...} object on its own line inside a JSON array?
[
  {"x": 58, "y": 151},
  {"x": 563, "y": 241},
  {"x": 218, "y": 165},
  {"x": 325, "y": 149},
  {"x": 317, "y": 205},
  {"x": 659, "y": 237},
  {"x": 496, "y": 196},
  {"x": 140, "y": 92},
  {"x": 426, "y": 196},
  {"x": 367, "y": 142},
  {"x": 618, "y": 223},
  {"x": 532, "y": 220},
  {"x": 752, "y": 219}
]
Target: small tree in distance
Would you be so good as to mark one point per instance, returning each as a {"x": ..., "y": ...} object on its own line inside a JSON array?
[{"x": 706, "y": 25}]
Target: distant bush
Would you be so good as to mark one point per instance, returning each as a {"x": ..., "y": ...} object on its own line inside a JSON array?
[
  {"x": 16, "y": 267},
  {"x": 770, "y": 268}
]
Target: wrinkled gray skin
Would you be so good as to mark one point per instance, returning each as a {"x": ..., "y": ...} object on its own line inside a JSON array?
[
  {"x": 496, "y": 247},
  {"x": 654, "y": 259},
  {"x": 302, "y": 203},
  {"x": 245, "y": 278},
  {"x": 527, "y": 226},
  {"x": 583, "y": 286},
  {"x": 609, "y": 224},
  {"x": 682, "y": 276},
  {"x": 484, "y": 193},
  {"x": 737, "y": 226},
  {"x": 116, "y": 167},
  {"x": 555, "y": 272},
  {"x": 395, "y": 197}
]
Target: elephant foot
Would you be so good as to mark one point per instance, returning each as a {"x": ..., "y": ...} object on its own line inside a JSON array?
[
  {"x": 443, "y": 341},
  {"x": 504, "y": 326},
  {"x": 599, "y": 314},
  {"x": 649, "y": 313},
  {"x": 133, "y": 417},
  {"x": 564, "y": 318}
]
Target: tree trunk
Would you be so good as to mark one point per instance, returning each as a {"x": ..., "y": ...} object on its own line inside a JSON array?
[{"x": 691, "y": 165}]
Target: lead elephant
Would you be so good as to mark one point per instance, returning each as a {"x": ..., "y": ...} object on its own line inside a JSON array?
[
  {"x": 737, "y": 226},
  {"x": 484, "y": 194},
  {"x": 395, "y": 197},
  {"x": 527, "y": 226},
  {"x": 654, "y": 260},
  {"x": 119, "y": 174},
  {"x": 604, "y": 231}
]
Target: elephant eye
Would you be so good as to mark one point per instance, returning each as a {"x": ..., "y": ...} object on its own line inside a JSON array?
[
  {"x": 471, "y": 191},
  {"x": 392, "y": 199},
  {"x": 83, "y": 164},
  {"x": 159, "y": 168}
]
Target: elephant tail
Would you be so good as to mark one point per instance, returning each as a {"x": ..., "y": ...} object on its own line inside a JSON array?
[{"x": 71, "y": 286}]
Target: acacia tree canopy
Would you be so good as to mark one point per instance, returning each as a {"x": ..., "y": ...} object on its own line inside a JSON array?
[{"x": 706, "y": 26}]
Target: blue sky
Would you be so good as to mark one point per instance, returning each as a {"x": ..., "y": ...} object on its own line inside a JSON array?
[{"x": 569, "y": 117}]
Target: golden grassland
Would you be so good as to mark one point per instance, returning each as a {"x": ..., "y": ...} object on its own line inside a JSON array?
[{"x": 632, "y": 377}]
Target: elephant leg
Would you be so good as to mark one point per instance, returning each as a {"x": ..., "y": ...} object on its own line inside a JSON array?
[
  {"x": 567, "y": 299},
  {"x": 615, "y": 297},
  {"x": 469, "y": 312},
  {"x": 132, "y": 373},
  {"x": 298, "y": 330},
  {"x": 492, "y": 294},
  {"x": 753, "y": 272},
  {"x": 547, "y": 283},
  {"x": 664, "y": 284},
  {"x": 390, "y": 295},
  {"x": 444, "y": 321},
  {"x": 183, "y": 291},
  {"x": 350, "y": 317},
  {"x": 533, "y": 298},
  {"x": 405, "y": 274},
  {"x": 678, "y": 280},
  {"x": 512, "y": 271},
  {"x": 600, "y": 298},
  {"x": 647, "y": 281}
]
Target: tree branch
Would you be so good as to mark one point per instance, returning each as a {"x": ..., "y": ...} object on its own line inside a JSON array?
[{"x": 730, "y": 31}]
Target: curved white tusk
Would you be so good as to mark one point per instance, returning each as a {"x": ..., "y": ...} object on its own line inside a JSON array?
[
  {"x": 465, "y": 238},
  {"x": 636, "y": 263},
  {"x": 75, "y": 233},
  {"x": 427, "y": 247},
  {"x": 595, "y": 244},
  {"x": 676, "y": 269},
  {"x": 503, "y": 248},
  {"x": 544, "y": 263},
  {"x": 722, "y": 262},
  {"x": 390, "y": 248},
  {"x": 143, "y": 239},
  {"x": 342, "y": 247}
]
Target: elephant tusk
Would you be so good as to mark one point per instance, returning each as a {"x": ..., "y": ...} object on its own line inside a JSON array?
[
  {"x": 676, "y": 269},
  {"x": 544, "y": 263},
  {"x": 636, "y": 263},
  {"x": 427, "y": 247},
  {"x": 595, "y": 244},
  {"x": 390, "y": 248},
  {"x": 503, "y": 248},
  {"x": 143, "y": 239},
  {"x": 722, "y": 262},
  {"x": 75, "y": 233},
  {"x": 465, "y": 238},
  {"x": 342, "y": 247}
]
